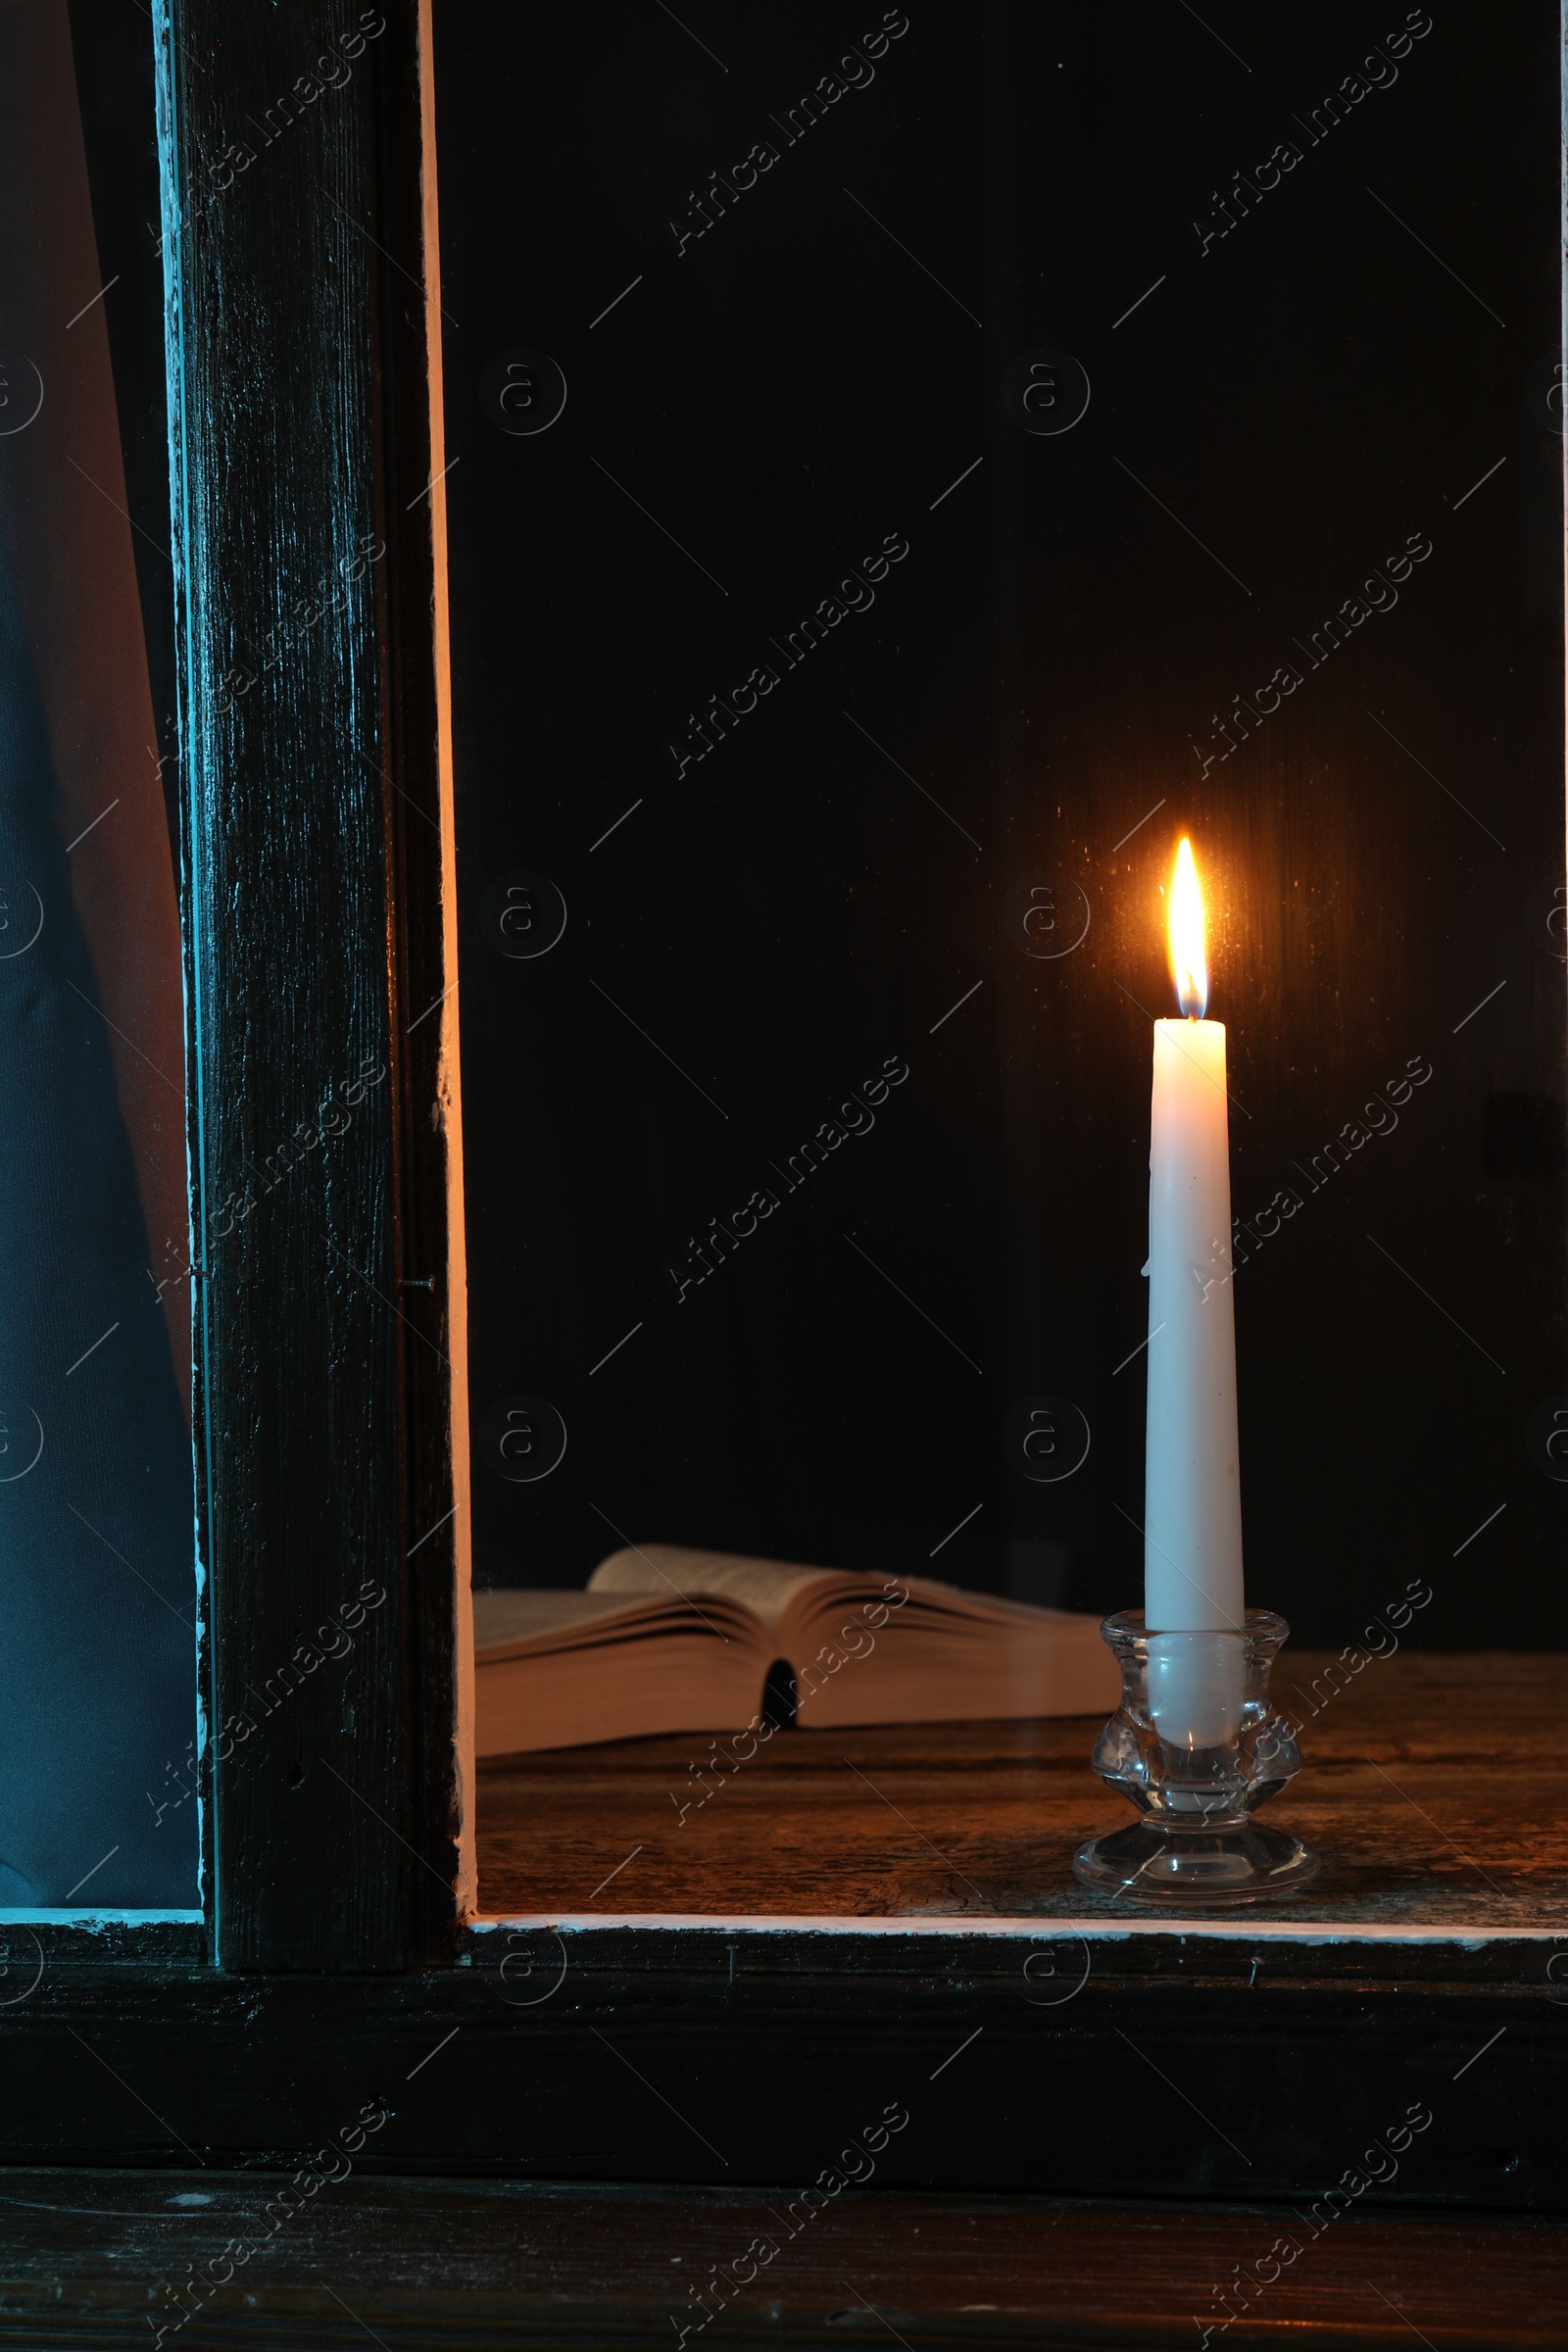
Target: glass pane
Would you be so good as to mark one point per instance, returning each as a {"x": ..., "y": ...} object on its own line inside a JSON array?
[
  {"x": 98, "y": 1593},
  {"x": 900, "y": 489}
]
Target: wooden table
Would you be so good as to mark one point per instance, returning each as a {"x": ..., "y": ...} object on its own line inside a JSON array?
[
  {"x": 1433, "y": 1787},
  {"x": 445, "y": 2266}
]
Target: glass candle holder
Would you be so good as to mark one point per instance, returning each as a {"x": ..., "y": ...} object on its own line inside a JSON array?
[{"x": 1196, "y": 1745}]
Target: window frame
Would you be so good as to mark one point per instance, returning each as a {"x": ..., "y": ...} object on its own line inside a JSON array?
[{"x": 309, "y": 723}]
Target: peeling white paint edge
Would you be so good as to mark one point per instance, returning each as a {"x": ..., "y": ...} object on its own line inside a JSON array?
[
  {"x": 1237, "y": 1930},
  {"x": 94, "y": 1923}
]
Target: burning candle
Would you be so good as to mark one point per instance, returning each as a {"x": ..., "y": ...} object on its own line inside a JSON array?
[{"x": 1192, "y": 1497}]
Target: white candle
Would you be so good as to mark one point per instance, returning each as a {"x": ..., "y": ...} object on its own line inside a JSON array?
[{"x": 1192, "y": 1498}]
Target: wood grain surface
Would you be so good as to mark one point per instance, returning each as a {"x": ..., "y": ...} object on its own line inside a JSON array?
[
  {"x": 1432, "y": 1786},
  {"x": 102, "y": 2260}
]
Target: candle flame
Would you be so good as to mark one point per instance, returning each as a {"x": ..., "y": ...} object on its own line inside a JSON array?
[{"x": 1189, "y": 967}]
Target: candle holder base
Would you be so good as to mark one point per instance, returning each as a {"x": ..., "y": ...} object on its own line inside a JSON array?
[
  {"x": 1193, "y": 1869},
  {"x": 1196, "y": 1745}
]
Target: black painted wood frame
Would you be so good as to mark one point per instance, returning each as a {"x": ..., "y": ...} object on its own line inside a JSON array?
[
  {"x": 1181, "y": 2067},
  {"x": 334, "y": 1977},
  {"x": 300, "y": 431}
]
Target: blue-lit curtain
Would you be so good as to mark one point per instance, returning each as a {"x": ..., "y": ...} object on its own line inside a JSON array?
[{"x": 97, "y": 1548}]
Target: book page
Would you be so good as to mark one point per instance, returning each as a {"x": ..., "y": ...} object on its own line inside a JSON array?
[
  {"x": 776, "y": 1589},
  {"x": 991, "y": 1608},
  {"x": 933, "y": 1669},
  {"x": 667, "y": 1673},
  {"x": 765, "y": 1587},
  {"x": 505, "y": 1614}
]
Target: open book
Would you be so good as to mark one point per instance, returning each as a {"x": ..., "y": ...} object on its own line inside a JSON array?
[{"x": 666, "y": 1640}]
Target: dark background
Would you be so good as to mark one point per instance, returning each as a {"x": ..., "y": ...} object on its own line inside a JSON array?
[{"x": 1272, "y": 423}]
